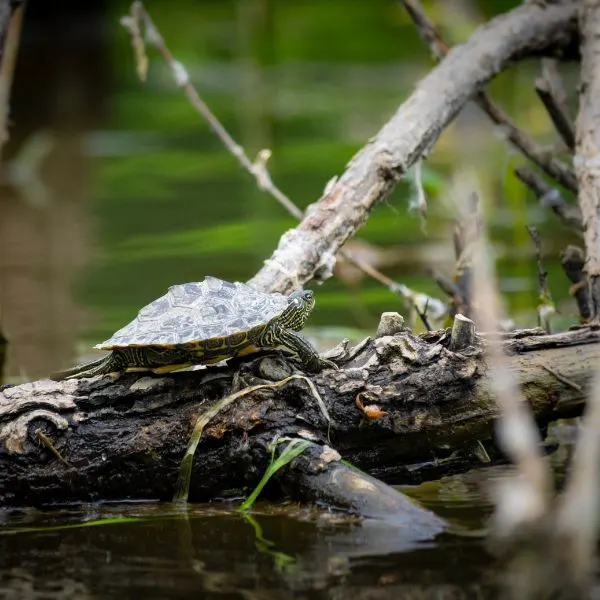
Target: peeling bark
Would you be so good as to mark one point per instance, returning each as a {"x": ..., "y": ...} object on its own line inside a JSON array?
[{"x": 123, "y": 437}]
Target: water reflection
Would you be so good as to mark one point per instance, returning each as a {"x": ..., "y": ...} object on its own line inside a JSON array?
[
  {"x": 45, "y": 236},
  {"x": 211, "y": 551},
  {"x": 215, "y": 553}
]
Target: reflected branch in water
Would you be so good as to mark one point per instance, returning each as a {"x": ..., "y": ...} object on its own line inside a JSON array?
[{"x": 11, "y": 22}]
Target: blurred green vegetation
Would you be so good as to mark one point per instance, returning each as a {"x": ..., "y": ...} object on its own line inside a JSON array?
[{"x": 312, "y": 81}]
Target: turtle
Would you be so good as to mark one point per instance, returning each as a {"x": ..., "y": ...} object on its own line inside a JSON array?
[{"x": 203, "y": 323}]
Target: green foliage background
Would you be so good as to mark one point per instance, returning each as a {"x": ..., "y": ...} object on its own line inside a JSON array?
[{"x": 312, "y": 81}]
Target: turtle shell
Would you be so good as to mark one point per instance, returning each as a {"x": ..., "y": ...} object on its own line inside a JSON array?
[{"x": 193, "y": 312}]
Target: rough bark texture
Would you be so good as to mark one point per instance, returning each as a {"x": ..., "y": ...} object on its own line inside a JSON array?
[
  {"x": 308, "y": 251},
  {"x": 587, "y": 160},
  {"x": 125, "y": 437}
]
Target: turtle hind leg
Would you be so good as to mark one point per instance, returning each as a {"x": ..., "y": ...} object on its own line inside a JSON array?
[{"x": 103, "y": 365}]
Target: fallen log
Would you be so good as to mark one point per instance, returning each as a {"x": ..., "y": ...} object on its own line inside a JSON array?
[{"x": 401, "y": 407}]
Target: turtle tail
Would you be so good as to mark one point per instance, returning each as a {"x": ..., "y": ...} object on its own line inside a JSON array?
[{"x": 90, "y": 369}]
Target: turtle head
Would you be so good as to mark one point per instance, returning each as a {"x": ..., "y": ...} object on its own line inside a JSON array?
[{"x": 300, "y": 305}]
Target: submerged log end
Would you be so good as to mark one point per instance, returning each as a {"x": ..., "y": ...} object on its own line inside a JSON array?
[{"x": 338, "y": 485}]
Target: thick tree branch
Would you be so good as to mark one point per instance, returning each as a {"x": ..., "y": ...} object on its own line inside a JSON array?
[
  {"x": 309, "y": 250},
  {"x": 587, "y": 159},
  {"x": 138, "y": 23},
  {"x": 518, "y": 138}
]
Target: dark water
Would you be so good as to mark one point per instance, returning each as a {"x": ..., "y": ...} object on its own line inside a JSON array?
[
  {"x": 214, "y": 552},
  {"x": 167, "y": 551},
  {"x": 112, "y": 191}
]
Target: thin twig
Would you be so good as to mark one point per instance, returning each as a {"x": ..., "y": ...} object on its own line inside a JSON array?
[
  {"x": 555, "y": 168},
  {"x": 568, "y": 382},
  {"x": 549, "y": 197},
  {"x": 551, "y": 91},
  {"x": 257, "y": 169},
  {"x": 545, "y": 308}
]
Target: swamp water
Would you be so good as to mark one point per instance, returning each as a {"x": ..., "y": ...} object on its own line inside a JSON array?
[
  {"x": 113, "y": 191},
  {"x": 210, "y": 551}
]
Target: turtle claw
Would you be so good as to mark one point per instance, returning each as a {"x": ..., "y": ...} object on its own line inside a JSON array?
[
  {"x": 318, "y": 364},
  {"x": 325, "y": 364}
]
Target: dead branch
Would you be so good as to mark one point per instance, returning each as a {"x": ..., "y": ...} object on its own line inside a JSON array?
[
  {"x": 587, "y": 159},
  {"x": 549, "y": 197},
  {"x": 309, "y": 250},
  {"x": 551, "y": 91},
  {"x": 518, "y": 138}
]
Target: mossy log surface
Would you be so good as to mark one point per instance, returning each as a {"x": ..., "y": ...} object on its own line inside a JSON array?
[{"x": 426, "y": 411}]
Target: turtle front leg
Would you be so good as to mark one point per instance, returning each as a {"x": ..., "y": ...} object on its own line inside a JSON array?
[{"x": 306, "y": 353}]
